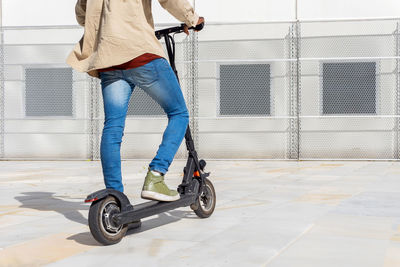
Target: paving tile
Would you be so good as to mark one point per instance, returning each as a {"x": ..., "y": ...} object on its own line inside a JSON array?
[{"x": 268, "y": 213}]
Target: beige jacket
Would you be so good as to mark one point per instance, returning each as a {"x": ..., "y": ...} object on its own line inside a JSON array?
[{"x": 117, "y": 31}]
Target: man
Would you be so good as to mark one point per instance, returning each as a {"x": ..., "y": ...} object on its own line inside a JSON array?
[{"x": 120, "y": 48}]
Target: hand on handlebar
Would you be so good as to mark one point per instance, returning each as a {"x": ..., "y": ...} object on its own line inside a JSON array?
[{"x": 186, "y": 28}]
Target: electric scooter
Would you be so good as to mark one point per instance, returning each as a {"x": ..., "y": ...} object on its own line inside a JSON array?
[{"x": 111, "y": 213}]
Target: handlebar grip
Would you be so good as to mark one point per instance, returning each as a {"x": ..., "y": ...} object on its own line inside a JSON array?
[{"x": 197, "y": 27}]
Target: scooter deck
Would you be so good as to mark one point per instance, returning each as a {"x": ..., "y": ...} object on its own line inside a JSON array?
[{"x": 151, "y": 208}]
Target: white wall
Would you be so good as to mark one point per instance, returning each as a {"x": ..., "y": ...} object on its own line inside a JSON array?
[
  {"x": 264, "y": 142},
  {"x": 38, "y": 12},
  {"x": 250, "y": 10},
  {"x": 61, "y": 12},
  {"x": 56, "y": 12},
  {"x": 267, "y": 10},
  {"x": 312, "y": 9}
]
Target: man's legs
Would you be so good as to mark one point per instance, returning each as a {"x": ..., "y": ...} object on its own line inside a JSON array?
[
  {"x": 116, "y": 93},
  {"x": 159, "y": 81}
]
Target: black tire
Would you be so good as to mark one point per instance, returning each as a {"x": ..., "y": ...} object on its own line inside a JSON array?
[
  {"x": 205, "y": 203},
  {"x": 100, "y": 223}
]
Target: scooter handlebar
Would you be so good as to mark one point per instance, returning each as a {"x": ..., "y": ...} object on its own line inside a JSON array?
[{"x": 177, "y": 29}]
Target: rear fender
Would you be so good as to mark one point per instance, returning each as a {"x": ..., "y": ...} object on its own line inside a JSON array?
[{"x": 122, "y": 199}]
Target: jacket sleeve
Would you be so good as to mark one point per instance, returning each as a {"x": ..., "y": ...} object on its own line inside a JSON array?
[
  {"x": 181, "y": 10},
  {"x": 80, "y": 12}
]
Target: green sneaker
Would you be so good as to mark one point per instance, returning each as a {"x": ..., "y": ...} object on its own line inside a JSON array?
[{"x": 154, "y": 188}]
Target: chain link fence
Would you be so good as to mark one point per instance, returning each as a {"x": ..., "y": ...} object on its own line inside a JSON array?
[
  {"x": 349, "y": 96},
  {"x": 246, "y": 92},
  {"x": 278, "y": 90}
]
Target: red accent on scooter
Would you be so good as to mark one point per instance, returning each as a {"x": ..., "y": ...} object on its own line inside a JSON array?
[{"x": 91, "y": 200}]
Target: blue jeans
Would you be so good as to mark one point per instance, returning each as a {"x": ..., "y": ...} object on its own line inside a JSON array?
[{"x": 158, "y": 80}]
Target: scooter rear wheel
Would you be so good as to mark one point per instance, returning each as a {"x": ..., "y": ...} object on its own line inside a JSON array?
[
  {"x": 205, "y": 203},
  {"x": 101, "y": 225}
]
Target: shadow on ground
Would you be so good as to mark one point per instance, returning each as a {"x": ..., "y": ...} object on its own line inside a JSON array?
[
  {"x": 45, "y": 201},
  {"x": 159, "y": 221}
]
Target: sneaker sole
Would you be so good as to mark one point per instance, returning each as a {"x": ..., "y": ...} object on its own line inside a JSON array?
[
  {"x": 159, "y": 197},
  {"x": 134, "y": 225}
]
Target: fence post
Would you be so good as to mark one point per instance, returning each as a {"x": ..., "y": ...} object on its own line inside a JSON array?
[
  {"x": 294, "y": 54},
  {"x": 298, "y": 83},
  {"x": 397, "y": 38},
  {"x": 93, "y": 119},
  {"x": 2, "y": 93},
  {"x": 191, "y": 82}
]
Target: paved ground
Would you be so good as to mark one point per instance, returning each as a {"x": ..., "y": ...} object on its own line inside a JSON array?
[{"x": 269, "y": 213}]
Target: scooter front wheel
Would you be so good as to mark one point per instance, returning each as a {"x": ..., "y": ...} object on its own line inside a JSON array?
[
  {"x": 205, "y": 203},
  {"x": 101, "y": 225}
]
